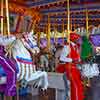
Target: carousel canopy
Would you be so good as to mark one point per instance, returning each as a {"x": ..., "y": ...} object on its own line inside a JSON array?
[{"x": 57, "y": 12}]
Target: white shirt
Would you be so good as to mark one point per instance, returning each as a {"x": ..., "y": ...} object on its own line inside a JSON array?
[{"x": 64, "y": 54}]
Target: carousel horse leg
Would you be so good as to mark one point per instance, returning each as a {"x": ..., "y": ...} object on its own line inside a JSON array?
[{"x": 43, "y": 79}]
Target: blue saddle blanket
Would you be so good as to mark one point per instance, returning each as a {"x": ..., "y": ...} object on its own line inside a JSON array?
[{"x": 2, "y": 72}]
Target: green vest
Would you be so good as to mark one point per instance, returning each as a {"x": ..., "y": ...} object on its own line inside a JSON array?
[{"x": 86, "y": 48}]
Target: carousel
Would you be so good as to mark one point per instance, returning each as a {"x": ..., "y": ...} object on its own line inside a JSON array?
[{"x": 49, "y": 49}]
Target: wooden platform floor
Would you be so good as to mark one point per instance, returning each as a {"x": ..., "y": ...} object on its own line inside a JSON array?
[{"x": 49, "y": 95}]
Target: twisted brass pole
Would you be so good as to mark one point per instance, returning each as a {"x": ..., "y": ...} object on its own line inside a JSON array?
[
  {"x": 2, "y": 17},
  {"x": 7, "y": 15},
  {"x": 87, "y": 22},
  {"x": 68, "y": 21}
]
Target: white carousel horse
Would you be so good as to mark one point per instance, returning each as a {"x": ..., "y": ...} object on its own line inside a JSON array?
[
  {"x": 26, "y": 68},
  {"x": 92, "y": 30},
  {"x": 81, "y": 31},
  {"x": 90, "y": 70}
]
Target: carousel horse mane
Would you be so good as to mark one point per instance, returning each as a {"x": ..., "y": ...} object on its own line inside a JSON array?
[{"x": 30, "y": 42}]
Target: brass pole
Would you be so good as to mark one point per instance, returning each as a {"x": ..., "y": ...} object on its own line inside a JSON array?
[
  {"x": 87, "y": 23},
  {"x": 7, "y": 15},
  {"x": 33, "y": 26},
  {"x": 2, "y": 17},
  {"x": 55, "y": 31},
  {"x": 68, "y": 21},
  {"x": 48, "y": 34},
  {"x": 63, "y": 31},
  {"x": 68, "y": 35},
  {"x": 39, "y": 37}
]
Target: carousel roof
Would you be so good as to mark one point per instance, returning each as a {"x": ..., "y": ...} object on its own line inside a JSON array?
[
  {"x": 57, "y": 11},
  {"x": 38, "y": 3}
]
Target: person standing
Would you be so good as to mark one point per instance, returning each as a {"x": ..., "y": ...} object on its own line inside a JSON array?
[{"x": 71, "y": 57}]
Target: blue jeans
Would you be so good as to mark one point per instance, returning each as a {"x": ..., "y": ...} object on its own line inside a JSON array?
[{"x": 66, "y": 85}]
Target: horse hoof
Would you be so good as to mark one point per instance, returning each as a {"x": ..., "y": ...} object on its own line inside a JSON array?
[
  {"x": 43, "y": 92},
  {"x": 24, "y": 83}
]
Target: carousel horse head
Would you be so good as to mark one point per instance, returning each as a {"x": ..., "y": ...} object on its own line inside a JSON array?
[{"x": 31, "y": 42}]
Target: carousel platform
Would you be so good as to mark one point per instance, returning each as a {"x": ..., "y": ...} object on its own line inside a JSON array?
[{"x": 56, "y": 90}]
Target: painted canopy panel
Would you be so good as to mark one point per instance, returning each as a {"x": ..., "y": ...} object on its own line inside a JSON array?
[{"x": 44, "y": 2}]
